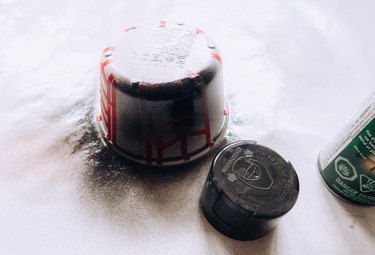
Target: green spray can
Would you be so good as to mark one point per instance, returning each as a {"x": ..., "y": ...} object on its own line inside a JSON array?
[{"x": 347, "y": 164}]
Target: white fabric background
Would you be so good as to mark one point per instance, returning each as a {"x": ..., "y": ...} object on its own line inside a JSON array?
[{"x": 294, "y": 71}]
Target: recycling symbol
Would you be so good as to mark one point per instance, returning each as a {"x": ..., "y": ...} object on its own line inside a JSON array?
[
  {"x": 366, "y": 183},
  {"x": 345, "y": 169}
]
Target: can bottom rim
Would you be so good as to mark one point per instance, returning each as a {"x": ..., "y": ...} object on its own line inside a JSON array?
[
  {"x": 169, "y": 162},
  {"x": 352, "y": 202}
]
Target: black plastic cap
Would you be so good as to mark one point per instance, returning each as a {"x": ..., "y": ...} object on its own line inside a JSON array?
[{"x": 249, "y": 187}]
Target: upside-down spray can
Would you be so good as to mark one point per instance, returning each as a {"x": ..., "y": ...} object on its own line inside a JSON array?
[
  {"x": 347, "y": 164},
  {"x": 161, "y": 94}
]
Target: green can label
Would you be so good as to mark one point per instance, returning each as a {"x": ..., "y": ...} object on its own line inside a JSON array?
[{"x": 348, "y": 165}]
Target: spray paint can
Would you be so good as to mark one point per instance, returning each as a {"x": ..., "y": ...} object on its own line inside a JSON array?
[
  {"x": 161, "y": 94},
  {"x": 347, "y": 165}
]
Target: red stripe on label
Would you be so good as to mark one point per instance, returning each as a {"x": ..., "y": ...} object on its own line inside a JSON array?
[
  {"x": 113, "y": 84},
  {"x": 103, "y": 91},
  {"x": 104, "y": 110},
  {"x": 162, "y": 23},
  {"x": 111, "y": 78},
  {"x": 214, "y": 55},
  {"x": 105, "y": 118},
  {"x": 199, "y": 31},
  {"x": 207, "y": 127},
  {"x": 154, "y": 86},
  {"x": 105, "y": 63},
  {"x": 184, "y": 149},
  {"x": 106, "y": 124},
  {"x": 109, "y": 49},
  {"x": 108, "y": 92},
  {"x": 170, "y": 143}
]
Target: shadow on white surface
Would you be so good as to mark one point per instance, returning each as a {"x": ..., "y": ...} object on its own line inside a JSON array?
[{"x": 263, "y": 246}]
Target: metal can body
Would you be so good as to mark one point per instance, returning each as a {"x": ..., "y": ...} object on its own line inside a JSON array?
[
  {"x": 162, "y": 100},
  {"x": 347, "y": 165}
]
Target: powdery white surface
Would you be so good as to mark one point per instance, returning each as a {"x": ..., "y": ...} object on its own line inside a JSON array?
[{"x": 294, "y": 71}]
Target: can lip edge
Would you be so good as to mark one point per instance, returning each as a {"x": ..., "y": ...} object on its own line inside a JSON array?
[{"x": 166, "y": 90}]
